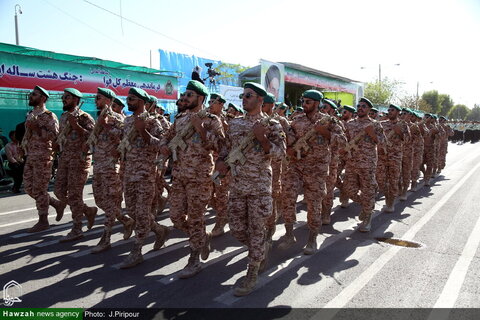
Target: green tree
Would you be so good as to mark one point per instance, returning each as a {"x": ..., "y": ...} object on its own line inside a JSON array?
[
  {"x": 474, "y": 114},
  {"x": 229, "y": 73},
  {"x": 446, "y": 104},
  {"x": 382, "y": 93},
  {"x": 424, "y": 106},
  {"x": 433, "y": 100},
  {"x": 459, "y": 112},
  {"x": 408, "y": 101}
]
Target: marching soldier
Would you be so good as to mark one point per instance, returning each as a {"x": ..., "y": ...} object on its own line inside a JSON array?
[
  {"x": 360, "y": 168},
  {"x": 373, "y": 114},
  {"x": 219, "y": 198},
  {"x": 139, "y": 147},
  {"x": 429, "y": 147},
  {"x": 407, "y": 155},
  {"x": 346, "y": 116},
  {"x": 417, "y": 131},
  {"x": 74, "y": 162},
  {"x": 258, "y": 139},
  {"x": 444, "y": 143},
  {"x": 278, "y": 168},
  {"x": 200, "y": 133},
  {"x": 390, "y": 156},
  {"x": 107, "y": 186},
  {"x": 330, "y": 108},
  {"x": 309, "y": 154},
  {"x": 41, "y": 132}
]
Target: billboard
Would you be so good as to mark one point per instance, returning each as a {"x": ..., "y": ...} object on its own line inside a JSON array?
[
  {"x": 272, "y": 77},
  {"x": 25, "y": 72}
]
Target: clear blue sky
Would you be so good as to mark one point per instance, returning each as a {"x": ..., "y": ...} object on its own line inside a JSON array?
[{"x": 435, "y": 42}]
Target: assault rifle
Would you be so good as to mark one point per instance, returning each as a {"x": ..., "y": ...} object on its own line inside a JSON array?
[
  {"x": 93, "y": 138},
  {"x": 237, "y": 154},
  {"x": 186, "y": 132},
  {"x": 125, "y": 144},
  {"x": 302, "y": 142}
]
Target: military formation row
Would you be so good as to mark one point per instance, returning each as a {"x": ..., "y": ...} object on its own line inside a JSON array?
[{"x": 249, "y": 167}]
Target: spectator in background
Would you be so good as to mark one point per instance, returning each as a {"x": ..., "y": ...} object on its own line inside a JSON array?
[
  {"x": 15, "y": 162},
  {"x": 196, "y": 72}
]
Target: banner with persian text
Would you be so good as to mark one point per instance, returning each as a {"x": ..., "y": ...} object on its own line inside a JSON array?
[{"x": 25, "y": 72}]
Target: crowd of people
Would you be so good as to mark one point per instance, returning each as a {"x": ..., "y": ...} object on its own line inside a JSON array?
[{"x": 249, "y": 164}]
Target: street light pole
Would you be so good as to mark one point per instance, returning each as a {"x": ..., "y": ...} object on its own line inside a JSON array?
[{"x": 17, "y": 42}]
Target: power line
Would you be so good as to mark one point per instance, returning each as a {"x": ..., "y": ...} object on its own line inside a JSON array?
[
  {"x": 89, "y": 26},
  {"x": 148, "y": 28}
]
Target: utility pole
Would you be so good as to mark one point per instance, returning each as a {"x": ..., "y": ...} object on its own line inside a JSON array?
[{"x": 17, "y": 41}]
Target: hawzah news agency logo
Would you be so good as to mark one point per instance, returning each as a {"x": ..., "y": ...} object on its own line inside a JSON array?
[{"x": 11, "y": 293}]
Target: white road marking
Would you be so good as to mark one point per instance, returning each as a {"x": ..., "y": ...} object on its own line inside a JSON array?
[
  {"x": 454, "y": 283},
  {"x": 354, "y": 288},
  {"x": 32, "y": 208}
]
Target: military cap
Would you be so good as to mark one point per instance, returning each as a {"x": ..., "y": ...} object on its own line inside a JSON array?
[
  {"x": 395, "y": 107},
  {"x": 349, "y": 108},
  {"x": 198, "y": 87},
  {"x": 330, "y": 103},
  {"x": 367, "y": 102},
  {"x": 152, "y": 99},
  {"x": 218, "y": 96},
  {"x": 299, "y": 109},
  {"x": 443, "y": 118},
  {"x": 427, "y": 115},
  {"x": 119, "y": 102},
  {"x": 74, "y": 92},
  {"x": 269, "y": 98},
  {"x": 140, "y": 93},
  {"x": 42, "y": 91},
  {"x": 434, "y": 116},
  {"x": 313, "y": 94},
  {"x": 417, "y": 114},
  {"x": 106, "y": 92},
  {"x": 258, "y": 88},
  {"x": 374, "y": 110},
  {"x": 234, "y": 106}
]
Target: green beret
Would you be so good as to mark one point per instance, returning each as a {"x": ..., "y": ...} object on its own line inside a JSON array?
[
  {"x": 349, "y": 108},
  {"x": 231, "y": 105},
  {"x": 427, "y": 115},
  {"x": 374, "y": 110},
  {"x": 106, "y": 92},
  {"x": 74, "y": 92},
  {"x": 119, "y": 102},
  {"x": 418, "y": 115},
  {"x": 160, "y": 107},
  {"x": 140, "y": 93},
  {"x": 395, "y": 107},
  {"x": 299, "y": 109},
  {"x": 330, "y": 103},
  {"x": 259, "y": 89},
  {"x": 198, "y": 87},
  {"x": 269, "y": 98},
  {"x": 444, "y": 118},
  {"x": 367, "y": 102},
  {"x": 152, "y": 99},
  {"x": 313, "y": 94},
  {"x": 218, "y": 96},
  {"x": 42, "y": 91}
]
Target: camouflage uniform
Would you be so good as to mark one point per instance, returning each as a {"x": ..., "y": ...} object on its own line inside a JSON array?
[
  {"x": 333, "y": 174},
  {"x": 192, "y": 186},
  {"x": 417, "y": 144},
  {"x": 441, "y": 136},
  {"x": 139, "y": 183},
  {"x": 73, "y": 166},
  {"x": 38, "y": 166},
  {"x": 360, "y": 169},
  {"x": 219, "y": 200},
  {"x": 107, "y": 186},
  {"x": 311, "y": 170},
  {"x": 390, "y": 164},
  {"x": 429, "y": 151},
  {"x": 407, "y": 162},
  {"x": 444, "y": 146},
  {"x": 250, "y": 198},
  {"x": 279, "y": 166},
  {"x": 160, "y": 201}
]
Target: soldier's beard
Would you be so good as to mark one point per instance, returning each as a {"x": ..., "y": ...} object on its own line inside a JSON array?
[
  {"x": 67, "y": 108},
  {"x": 132, "y": 108}
]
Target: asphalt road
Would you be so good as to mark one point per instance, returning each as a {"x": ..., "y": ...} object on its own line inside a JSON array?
[{"x": 350, "y": 270}]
